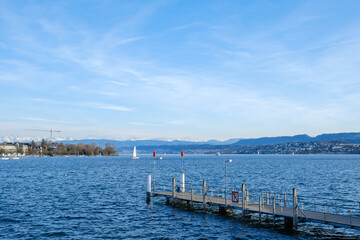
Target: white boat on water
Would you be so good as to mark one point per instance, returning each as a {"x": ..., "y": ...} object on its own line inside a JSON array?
[
  {"x": 134, "y": 154},
  {"x": 10, "y": 158},
  {"x": 218, "y": 154}
]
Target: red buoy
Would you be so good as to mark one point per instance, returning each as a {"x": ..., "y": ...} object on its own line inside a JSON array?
[
  {"x": 182, "y": 153},
  {"x": 154, "y": 153}
]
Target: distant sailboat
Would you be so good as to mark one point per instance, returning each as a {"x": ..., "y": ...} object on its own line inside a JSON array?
[{"x": 134, "y": 154}]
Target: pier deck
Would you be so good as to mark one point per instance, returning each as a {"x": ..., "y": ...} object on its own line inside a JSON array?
[{"x": 261, "y": 208}]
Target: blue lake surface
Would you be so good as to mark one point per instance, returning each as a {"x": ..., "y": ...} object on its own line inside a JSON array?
[{"x": 104, "y": 197}]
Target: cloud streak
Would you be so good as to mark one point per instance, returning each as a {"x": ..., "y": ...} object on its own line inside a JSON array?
[
  {"x": 211, "y": 74},
  {"x": 104, "y": 106},
  {"x": 47, "y": 120}
]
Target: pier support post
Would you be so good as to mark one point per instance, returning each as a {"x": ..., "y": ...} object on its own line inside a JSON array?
[
  {"x": 182, "y": 185},
  {"x": 148, "y": 190},
  {"x": 223, "y": 210},
  {"x": 295, "y": 213},
  {"x": 288, "y": 222},
  {"x": 204, "y": 194},
  {"x": 243, "y": 199},
  {"x": 173, "y": 191}
]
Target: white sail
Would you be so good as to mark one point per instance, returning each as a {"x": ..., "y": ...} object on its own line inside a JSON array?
[{"x": 134, "y": 154}]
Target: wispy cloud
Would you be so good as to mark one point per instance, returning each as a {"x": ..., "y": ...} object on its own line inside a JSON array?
[
  {"x": 185, "y": 26},
  {"x": 221, "y": 76},
  {"x": 100, "y": 105},
  {"x": 101, "y": 92},
  {"x": 44, "y": 100},
  {"x": 46, "y": 120},
  {"x": 144, "y": 124},
  {"x": 118, "y": 83},
  {"x": 121, "y": 42},
  {"x": 177, "y": 122}
]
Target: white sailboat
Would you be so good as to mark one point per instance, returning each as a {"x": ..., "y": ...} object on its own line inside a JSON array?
[{"x": 134, "y": 154}]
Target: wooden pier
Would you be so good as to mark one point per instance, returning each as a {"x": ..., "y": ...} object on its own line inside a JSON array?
[{"x": 261, "y": 206}]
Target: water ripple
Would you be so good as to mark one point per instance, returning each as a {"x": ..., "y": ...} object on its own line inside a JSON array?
[{"x": 104, "y": 198}]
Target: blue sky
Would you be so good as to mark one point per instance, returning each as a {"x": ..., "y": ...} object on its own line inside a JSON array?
[{"x": 192, "y": 70}]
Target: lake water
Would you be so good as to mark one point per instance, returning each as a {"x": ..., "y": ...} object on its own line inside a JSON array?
[{"x": 104, "y": 197}]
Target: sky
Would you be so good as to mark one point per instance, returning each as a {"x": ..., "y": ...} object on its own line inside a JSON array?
[{"x": 191, "y": 70}]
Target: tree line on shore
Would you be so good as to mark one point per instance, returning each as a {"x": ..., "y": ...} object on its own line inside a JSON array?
[{"x": 47, "y": 148}]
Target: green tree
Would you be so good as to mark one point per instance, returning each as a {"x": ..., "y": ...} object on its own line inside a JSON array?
[
  {"x": 109, "y": 151},
  {"x": 45, "y": 147}
]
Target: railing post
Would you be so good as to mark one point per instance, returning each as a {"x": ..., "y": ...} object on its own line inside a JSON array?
[
  {"x": 274, "y": 210},
  {"x": 267, "y": 197},
  {"x": 204, "y": 193},
  {"x": 247, "y": 195},
  {"x": 295, "y": 218},
  {"x": 243, "y": 199},
  {"x": 284, "y": 199},
  {"x": 191, "y": 193},
  {"x": 148, "y": 192},
  {"x": 260, "y": 199},
  {"x": 182, "y": 185},
  {"x": 173, "y": 191}
]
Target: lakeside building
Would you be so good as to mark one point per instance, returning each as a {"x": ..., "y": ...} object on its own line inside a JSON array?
[{"x": 14, "y": 148}]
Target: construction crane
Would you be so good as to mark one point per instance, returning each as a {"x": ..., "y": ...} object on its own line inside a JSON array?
[{"x": 41, "y": 130}]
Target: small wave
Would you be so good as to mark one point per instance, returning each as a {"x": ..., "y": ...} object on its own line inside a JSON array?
[
  {"x": 9, "y": 220},
  {"x": 71, "y": 217},
  {"x": 54, "y": 234}
]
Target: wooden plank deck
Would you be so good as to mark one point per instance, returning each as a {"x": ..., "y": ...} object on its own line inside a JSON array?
[{"x": 280, "y": 211}]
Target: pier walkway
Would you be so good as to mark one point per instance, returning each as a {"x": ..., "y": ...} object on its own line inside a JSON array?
[{"x": 261, "y": 206}]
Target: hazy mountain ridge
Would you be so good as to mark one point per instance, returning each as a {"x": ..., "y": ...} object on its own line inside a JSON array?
[
  {"x": 131, "y": 143},
  {"x": 344, "y": 137},
  {"x": 353, "y": 137}
]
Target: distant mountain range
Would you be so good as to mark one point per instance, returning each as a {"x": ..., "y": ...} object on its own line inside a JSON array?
[
  {"x": 147, "y": 144},
  {"x": 131, "y": 143},
  {"x": 341, "y": 137}
]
